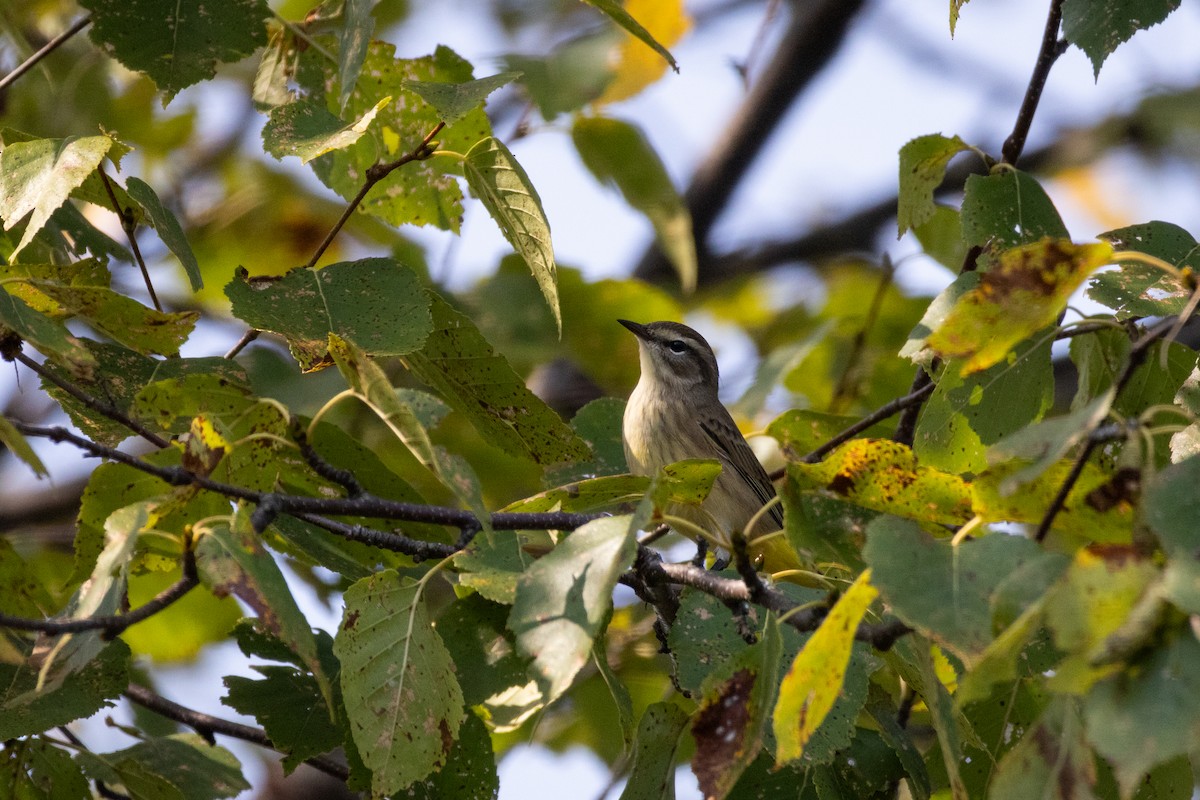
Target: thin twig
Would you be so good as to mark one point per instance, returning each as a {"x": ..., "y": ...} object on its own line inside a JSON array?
[
  {"x": 1137, "y": 354},
  {"x": 1052, "y": 47},
  {"x": 342, "y": 477},
  {"x": 247, "y": 337},
  {"x": 45, "y": 50},
  {"x": 129, "y": 225},
  {"x": 97, "y": 405},
  {"x": 207, "y": 726},
  {"x": 375, "y": 174},
  {"x": 116, "y": 623},
  {"x": 843, "y": 390}
]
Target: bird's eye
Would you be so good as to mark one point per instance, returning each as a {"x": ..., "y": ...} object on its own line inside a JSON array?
[{"x": 677, "y": 346}]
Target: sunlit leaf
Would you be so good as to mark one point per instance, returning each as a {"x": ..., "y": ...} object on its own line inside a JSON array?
[
  {"x": 403, "y": 703},
  {"x": 1135, "y": 289},
  {"x": 18, "y": 445},
  {"x": 122, "y": 318},
  {"x": 178, "y": 44},
  {"x": 564, "y": 597},
  {"x": 617, "y": 13},
  {"x": 814, "y": 680},
  {"x": 307, "y": 130},
  {"x": 37, "y": 176},
  {"x": 922, "y": 168},
  {"x": 885, "y": 476},
  {"x": 1023, "y": 293},
  {"x": 502, "y": 185},
  {"x": 454, "y": 101}
]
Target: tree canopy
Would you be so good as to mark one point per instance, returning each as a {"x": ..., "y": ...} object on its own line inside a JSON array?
[{"x": 244, "y": 379}]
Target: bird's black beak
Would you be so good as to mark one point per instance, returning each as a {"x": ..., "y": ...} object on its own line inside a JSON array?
[{"x": 638, "y": 329}]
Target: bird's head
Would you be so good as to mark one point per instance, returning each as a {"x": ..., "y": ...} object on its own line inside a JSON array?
[{"x": 675, "y": 357}]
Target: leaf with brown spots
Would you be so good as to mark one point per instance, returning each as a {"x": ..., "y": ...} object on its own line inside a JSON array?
[
  {"x": 814, "y": 681},
  {"x": 1140, "y": 290},
  {"x": 474, "y": 379},
  {"x": 883, "y": 475},
  {"x": 734, "y": 710},
  {"x": 922, "y": 168},
  {"x": 402, "y": 700},
  {"x": 1023, "y": 292},
  {"x": 232, "y": 561}
]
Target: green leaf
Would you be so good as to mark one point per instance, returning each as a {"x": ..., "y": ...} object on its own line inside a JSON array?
[
  {"x": 371, "y": 385},
  {"x": 1147, "y": 716},
  {"x": 653, "y": 774},
  {"x": 814, "y": 681},
  {"x": 1099, "y": 28},
  {"x": 470, "y": 769},
  {"x": 505, "y": 190},
  {"x": 37, "y": 176},
  {"x": 453, "y": 101},
  {"x": 619, "y": 153},
  {"x": 34, "y": 768},
  {"x": 122, "y": 318},
  {"x": 289, "y": 706},
  {"x": 306, "y": 129},
  {"x": 232, "y": 561},
  {"x": 734, "y": 712},
  {"x": 968, "y": 413},
  {"x": 598, "y": 424},
  {"x": 941, "y": 589},
  {"x": 402, "y": 700},
  {"x": 1140, "y": 290},
  {"x": 492, "y": 671},
  {"x": 26, "y": 710},
  {"x": 271, "y": 78},
  {"x": 49, "y": 336},
  {"x": 493, "y": 565},
  {"x": 1186, "y": 443},
  {"x": 941, "y": 237},
  {"x": 377, "y": 303},
  {"x": 922, "y": 168},
  {"x": 354, "y": 39},
  {"x": 168, "y": 228},
  {"x": 922, "y": 675},
  {"x": 1023, "y": 293},
  {"x": 122, "y": 374},
  {"x": 19, "y": 446},
  {"x": 1045, "y": 443},
  {"x": 179, "y": 632},
  {"x": 458, "y": 362},
  {"x": 424, "y": 192},
  {"x": 799, "y": 431},
  {"x": 178, "y": 44},
  {"x": 564, "y": 597},
  {"x": 619, "y": 15},
  {"x": 1008, "y": 208},
  {"x": 587, "y": 495},
  {"x": 183, "y": 766},
  {"x": 883, "y": 475}
]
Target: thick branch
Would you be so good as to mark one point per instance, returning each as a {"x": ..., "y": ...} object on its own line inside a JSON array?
[{"x": 207, "y": 726}]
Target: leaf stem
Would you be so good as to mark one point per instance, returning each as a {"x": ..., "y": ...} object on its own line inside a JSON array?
[{"x": 129, "y": 225}]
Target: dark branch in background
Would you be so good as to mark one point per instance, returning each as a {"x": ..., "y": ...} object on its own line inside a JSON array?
[
  {"x": 45, "y": 50},
  {"x": 207, "y": 726},
  {"x": 95, "y": 404},
  {"x": 1137, "y": 354},
  {"x": 375, "y": 173},
  {"x": 814, "y": 36},
  {"x": 129, "y": 225},
  {"x": 115, "y": 624}
]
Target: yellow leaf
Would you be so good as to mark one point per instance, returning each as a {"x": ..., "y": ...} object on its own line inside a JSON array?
[
  {"x": 637, "y": 66},
  {"x": 1023, "y": 293},
  {"x": 884, "y": 476},
  {"x": 814, "y": 682}
]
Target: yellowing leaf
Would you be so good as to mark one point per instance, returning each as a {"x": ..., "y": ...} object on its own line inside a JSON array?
[
  {"x": 638, "y": 66},
  {"x": 813, "y": 683},
  {"x": 884, "y": 475},
  {"x": 1022, "y": 294}
]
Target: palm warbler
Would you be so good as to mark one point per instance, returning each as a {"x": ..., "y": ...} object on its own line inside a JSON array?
[{"x": 674, "y": 414}]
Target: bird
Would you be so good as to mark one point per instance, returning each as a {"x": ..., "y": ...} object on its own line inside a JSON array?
[{"x": 673, "y": 414}]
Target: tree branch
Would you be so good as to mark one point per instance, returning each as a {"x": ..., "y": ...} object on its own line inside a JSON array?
[
  {"x": 45, "y": 50},
  {"x": 1052, "y": 47},
  {"x": 207, "y": 726},
  {"x": 116, "y": 623}
]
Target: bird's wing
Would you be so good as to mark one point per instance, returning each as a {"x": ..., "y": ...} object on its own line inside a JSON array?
[{"x": 729, "y": 441}]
